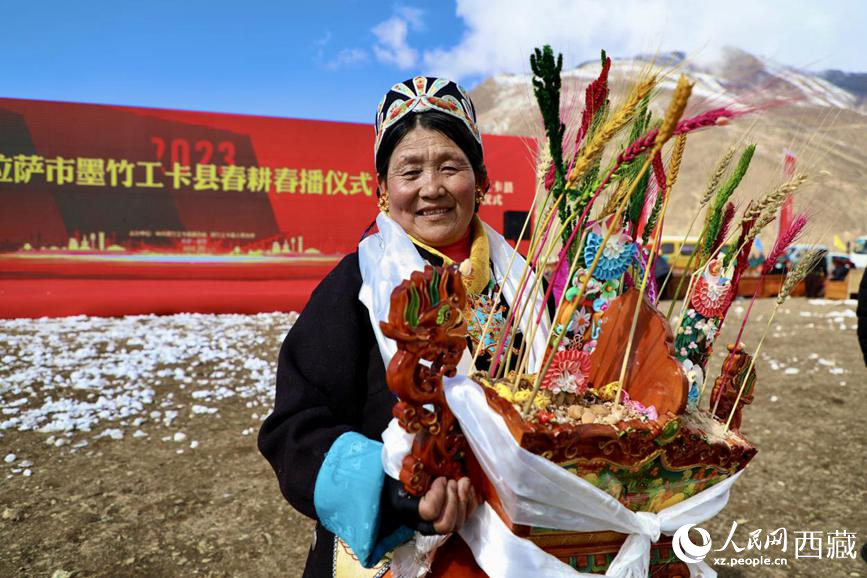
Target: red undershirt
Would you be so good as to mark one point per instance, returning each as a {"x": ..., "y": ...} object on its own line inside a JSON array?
[{"x": 458, "y": 251}]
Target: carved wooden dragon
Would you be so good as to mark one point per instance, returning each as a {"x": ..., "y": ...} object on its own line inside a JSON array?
[{"x": 426, "y": 320}]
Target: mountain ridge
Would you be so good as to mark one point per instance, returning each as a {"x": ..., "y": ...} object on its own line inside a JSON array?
[{"x": 818, "y": 116}]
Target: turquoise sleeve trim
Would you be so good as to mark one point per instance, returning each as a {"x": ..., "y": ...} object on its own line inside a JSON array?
[{"x": 348, "y": 494}]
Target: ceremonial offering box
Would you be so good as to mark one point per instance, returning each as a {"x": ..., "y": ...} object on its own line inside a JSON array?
[
  {"x": 609, "y": 390},
  {"x": 647, "y": 465}
]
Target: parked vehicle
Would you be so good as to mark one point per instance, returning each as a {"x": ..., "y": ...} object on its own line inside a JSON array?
[
  {"x": 676, "y": 250},
  {"x": 858, "y": 255}
]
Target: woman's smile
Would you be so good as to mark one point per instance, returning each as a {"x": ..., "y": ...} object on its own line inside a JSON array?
[{"x": 434, "y": 212}]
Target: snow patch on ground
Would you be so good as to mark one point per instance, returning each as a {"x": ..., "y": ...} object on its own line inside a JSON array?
[
  {"x": 848, "y": 302},
  {"x": 843, "y": 313},
  {"x": 103, "y": 378}
]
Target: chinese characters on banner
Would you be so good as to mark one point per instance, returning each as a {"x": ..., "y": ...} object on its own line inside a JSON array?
[
  {"x": 494, "y": 197},
  {"x": 100, "y": 172}
]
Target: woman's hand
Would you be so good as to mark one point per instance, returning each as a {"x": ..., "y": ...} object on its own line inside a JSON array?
[{"x": 448, "y": 504}]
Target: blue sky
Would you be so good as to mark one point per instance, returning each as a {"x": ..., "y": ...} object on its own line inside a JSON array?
[{"x": 334, "y": 59}]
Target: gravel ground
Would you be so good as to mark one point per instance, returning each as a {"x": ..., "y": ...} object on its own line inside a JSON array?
[{"x": 129, "y": 446}]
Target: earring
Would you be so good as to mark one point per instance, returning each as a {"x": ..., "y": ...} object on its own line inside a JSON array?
[
  {"x": 480, "y": 196},
  {"x": 382, "y": 203}
]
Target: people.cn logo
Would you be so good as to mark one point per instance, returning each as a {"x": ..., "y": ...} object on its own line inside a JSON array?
[{"x": 685, "y": 549}]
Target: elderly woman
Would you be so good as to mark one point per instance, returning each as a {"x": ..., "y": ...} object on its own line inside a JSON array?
[{"x": 332, "y": 404}]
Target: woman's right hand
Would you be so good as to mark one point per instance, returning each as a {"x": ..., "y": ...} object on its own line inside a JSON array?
[{"x": 448, "y": 504}]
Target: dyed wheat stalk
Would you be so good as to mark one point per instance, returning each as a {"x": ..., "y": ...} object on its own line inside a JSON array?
[
  {"x": 770, "y": 203},
  {"x": 496, "y": 298},
  {"x": 726, "y": 221},
  {"x": 543, "y": 163},
  {"x": 775, "y": 199},
  {"x": 536, "y": 239},
  {"x": 606, "y": 132},
  {"x": 547, "y": 362},
  {"x": 676, "y": 159},
  {"x": 786, "y": 238},
  {"x": 675, "y": 111},
  {"x": 795, "y": 276},
  {"x": 684, "y": 127},
  {"x": 715, "y": 215},
  {"x": 712, "y": 184},
  {"x": 765, "y": 211},
  {"x": 717, "y": 175}
]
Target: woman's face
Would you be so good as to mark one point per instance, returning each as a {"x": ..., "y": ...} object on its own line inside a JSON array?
[{"x": 431, "y": 187}]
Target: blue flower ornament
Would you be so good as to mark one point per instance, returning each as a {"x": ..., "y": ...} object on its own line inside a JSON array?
[{"x": 617, "y": 254}]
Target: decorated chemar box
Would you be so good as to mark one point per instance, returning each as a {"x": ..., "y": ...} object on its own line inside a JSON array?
[{"x": 595, "y": 436}]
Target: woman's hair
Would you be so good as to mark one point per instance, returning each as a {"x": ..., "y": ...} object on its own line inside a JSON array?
[{"x": 450, "y": 126}]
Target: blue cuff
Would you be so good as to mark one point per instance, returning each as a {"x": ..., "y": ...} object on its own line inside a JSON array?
[{"x": 348, "y": 494}]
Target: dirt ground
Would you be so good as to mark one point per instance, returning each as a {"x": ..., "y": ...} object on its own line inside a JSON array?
[{"x": 191, "y": 496}]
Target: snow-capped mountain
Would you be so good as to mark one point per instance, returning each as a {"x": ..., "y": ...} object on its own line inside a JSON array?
[{"x": 820, "y": 116}]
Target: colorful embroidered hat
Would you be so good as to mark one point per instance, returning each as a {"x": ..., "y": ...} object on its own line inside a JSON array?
[{"x": 420, "y": 94}]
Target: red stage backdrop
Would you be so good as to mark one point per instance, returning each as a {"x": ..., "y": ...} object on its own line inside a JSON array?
[{"x": 110, "y": 210}]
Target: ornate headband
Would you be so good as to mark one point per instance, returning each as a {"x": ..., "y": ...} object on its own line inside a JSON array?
[{"x": 420, "y": 94}]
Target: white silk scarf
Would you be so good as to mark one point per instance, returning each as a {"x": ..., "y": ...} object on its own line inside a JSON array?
[{"x": 388, "y": 257}]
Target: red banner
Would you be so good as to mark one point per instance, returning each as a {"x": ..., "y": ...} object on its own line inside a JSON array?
[{"x": 111, "y": 192}]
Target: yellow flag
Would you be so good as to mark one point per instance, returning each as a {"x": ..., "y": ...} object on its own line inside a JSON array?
[{"x": 839, "y": 244}]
